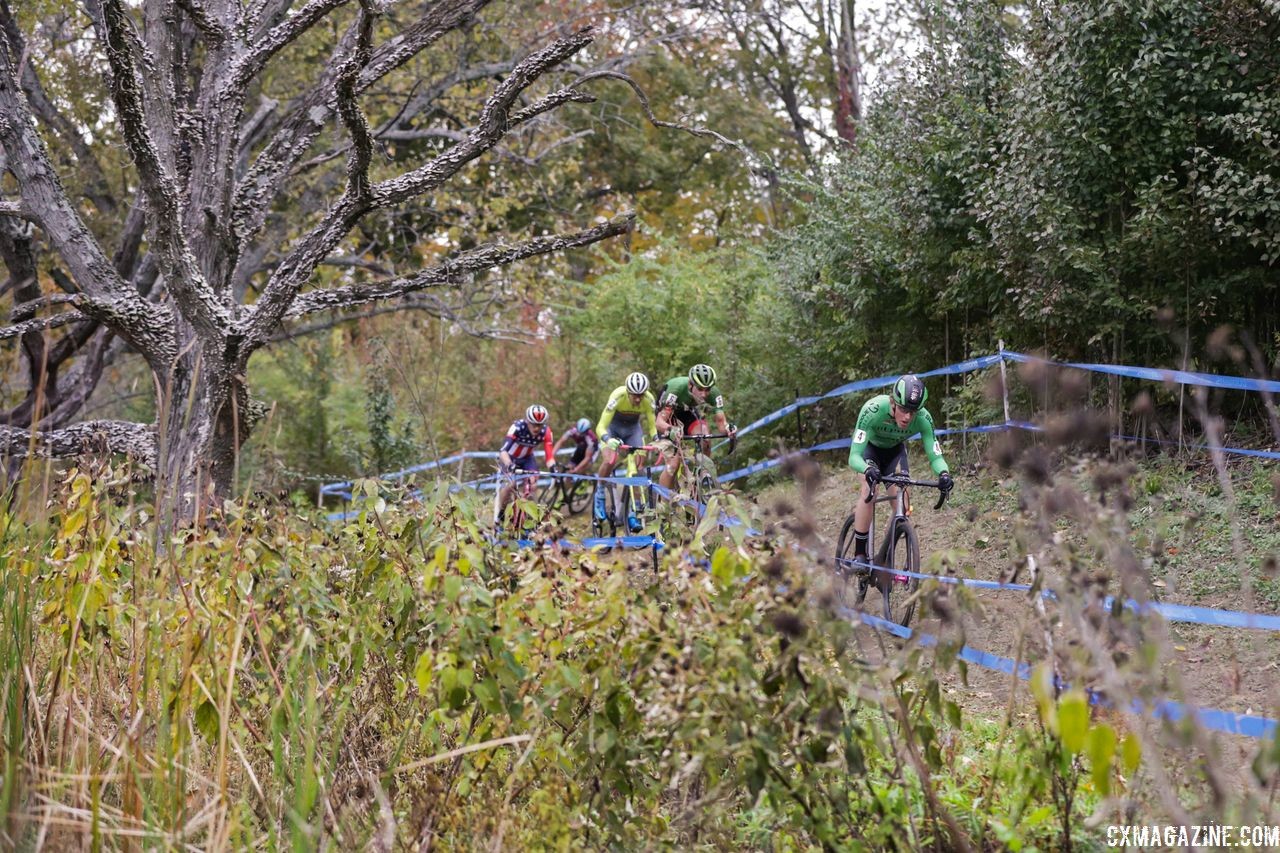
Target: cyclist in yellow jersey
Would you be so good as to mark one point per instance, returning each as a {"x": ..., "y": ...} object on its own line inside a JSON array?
[{"x": 627, "y": 419}]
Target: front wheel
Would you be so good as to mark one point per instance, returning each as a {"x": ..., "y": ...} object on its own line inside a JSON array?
[
  {"x": 577, "y": 496},
  {"x": 850, "y": 581},
  {"x": 899, "y": 551}
]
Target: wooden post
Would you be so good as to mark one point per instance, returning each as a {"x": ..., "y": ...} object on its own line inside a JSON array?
[{"x": 1004, "y": 384}]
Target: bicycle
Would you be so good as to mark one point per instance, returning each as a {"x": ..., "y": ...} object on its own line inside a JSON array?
[
  {"x": 620, "y": 498},
  {"x": 520, "y": 520},
  {"x": 899, "y": 551},
  {"x": 696, "y": 478},
  {"x": 570, "y": 492}
]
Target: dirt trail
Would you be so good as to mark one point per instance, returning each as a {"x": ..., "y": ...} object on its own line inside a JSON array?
[{"x": 1225, "y": 668}]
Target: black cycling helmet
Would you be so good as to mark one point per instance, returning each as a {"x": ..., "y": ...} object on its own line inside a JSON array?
[{"x": 909, "y": 392}]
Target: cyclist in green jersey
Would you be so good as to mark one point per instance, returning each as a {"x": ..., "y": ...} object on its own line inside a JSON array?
[
  {"x": 683, "y": 400},
  {"x": 627, "y": 419},
  {"x": 879, "y": 445}
]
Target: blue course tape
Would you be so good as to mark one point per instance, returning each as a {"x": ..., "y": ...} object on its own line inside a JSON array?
[
  {"x": 600, "y": 542},
  {"x": 1190, "y": 613},
  {"x": 864, "y": 385},
  {"x": 1182, "y": 377},
  {"x": 1235, "y": 451},
  {"x": 1213, "y": 719}
]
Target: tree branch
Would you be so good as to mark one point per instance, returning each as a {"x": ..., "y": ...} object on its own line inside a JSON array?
[
  {"x": 753, "y": 159},
  {"x": 43, "y": 195},
  {"x": 195, "y": 298},
  {"x": 214, "y": 32},
  {"x": 264, "y": 181},
  {"x": 356, "y": 124},
  {"x": 133, "y": 439},
  {"x": 493, "y": 124},
  {"x": 53, "y": 322},
  {"x": 455, "y": 269},
  {"x": 428, "y": 302},
  {"x": 276, "y": 40},
  {"x": 49, "y": 114},
  {"x": 18, "y": 210}
]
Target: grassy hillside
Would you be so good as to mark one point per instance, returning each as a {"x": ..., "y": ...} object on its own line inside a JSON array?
[{"x": 397, "y": 681}]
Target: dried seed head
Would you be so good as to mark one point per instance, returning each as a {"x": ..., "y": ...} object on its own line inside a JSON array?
[
  {"x": 1143, "y": 404},
  {"x": 788, "y": 624},
  {"x": 1004, "y": 451},
  {"x": 1219, "y": 342},
  {"x": 1037, "y": 465}
]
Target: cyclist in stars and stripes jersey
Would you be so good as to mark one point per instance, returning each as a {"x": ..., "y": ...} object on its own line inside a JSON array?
[{"x": 517, "y": 453}]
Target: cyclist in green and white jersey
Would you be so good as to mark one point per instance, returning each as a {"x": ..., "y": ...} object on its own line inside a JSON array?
[
  {"x": 683, "y": 401},
  {"x": 879, "y": 445},
  {"x": 627, "y": 419}
]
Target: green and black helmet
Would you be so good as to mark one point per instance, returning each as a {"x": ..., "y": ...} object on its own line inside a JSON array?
[
  {"x": 909, "y": 393},
  {"x": 702, "y": 375}
]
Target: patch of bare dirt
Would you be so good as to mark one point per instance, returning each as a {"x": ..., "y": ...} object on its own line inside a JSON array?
[{"x": 1230, "y": 669}]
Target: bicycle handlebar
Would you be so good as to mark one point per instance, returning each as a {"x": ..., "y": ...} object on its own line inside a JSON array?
[
  {"x": 899, "y": 480},
  {"x": 689, "y": 437}
]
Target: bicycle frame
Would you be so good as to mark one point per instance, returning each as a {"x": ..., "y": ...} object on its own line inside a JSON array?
[
  {"x": 889, "y": 570},
  {"x": 634, "y": 494},
  {"x": 525, "y": 489}
]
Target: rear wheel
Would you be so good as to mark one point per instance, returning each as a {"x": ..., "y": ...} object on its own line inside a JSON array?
[{"x": 900, "y": 550}]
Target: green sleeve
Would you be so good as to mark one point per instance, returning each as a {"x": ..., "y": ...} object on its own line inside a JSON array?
[
  {"x": 716, "y": 399},
  {"x": 859, "y": 442},
  {"x": 924, "y": 422},
  {"x": 606, "y": 417}
]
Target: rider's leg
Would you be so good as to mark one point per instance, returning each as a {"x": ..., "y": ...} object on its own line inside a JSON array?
[
  {"x": 887, "y": 460},
  {"x": 862, "y": 513},
  {"x": 608, "y": 459},
  {"x": 500, "y": 504}
]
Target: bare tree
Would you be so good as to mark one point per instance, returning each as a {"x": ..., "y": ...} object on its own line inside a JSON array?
[{"x": 217, "y": 202}]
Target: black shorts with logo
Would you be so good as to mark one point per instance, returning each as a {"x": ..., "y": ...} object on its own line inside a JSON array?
[{"x": 887, "y": 458}]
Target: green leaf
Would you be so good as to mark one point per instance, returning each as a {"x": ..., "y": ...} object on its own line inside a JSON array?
[
  {"x": 422, "y": 672},
  {"x": 1102, "y": 752},
  {"x": 452, "y": 588},
  {"x": 1073, "y": 720},
  {"x": 1130, "y": 753},
  {"x": 207, "y": 720}
]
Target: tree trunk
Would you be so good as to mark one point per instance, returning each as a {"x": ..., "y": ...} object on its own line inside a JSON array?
[
  {"x": 204, "y": 423},
  {"x": 848, "y": 72}
]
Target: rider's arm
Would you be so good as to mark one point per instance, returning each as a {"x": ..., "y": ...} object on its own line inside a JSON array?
[
  {"x": 923, "y": 421},
  {"x": 606, "y": 417},
  {"x": 546, "y": 446},
  {"x": 647, "y": 418},
  {"x": 859, "y": 442},
  {"x": 666, "y": 411},
  {"x": 563, "y": 439}
]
